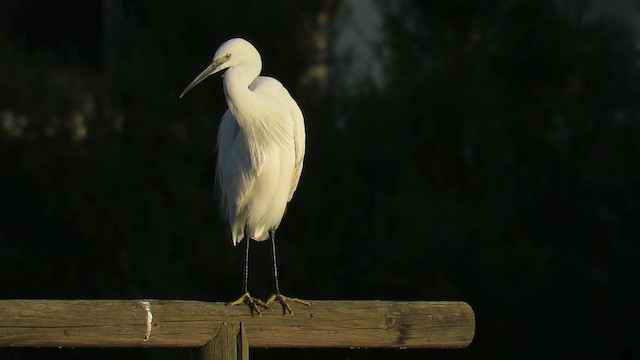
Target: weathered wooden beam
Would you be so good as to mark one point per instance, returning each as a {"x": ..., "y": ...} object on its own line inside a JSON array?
[
  {"x": 174, "y": 323},
  {"x": 229, "y": 344}
]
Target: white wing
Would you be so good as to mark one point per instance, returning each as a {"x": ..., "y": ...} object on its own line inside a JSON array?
[
  {"x": 235, "y": 173},
  {"x": 299, "y": 138},
  {"x": 286, "y": 127}
]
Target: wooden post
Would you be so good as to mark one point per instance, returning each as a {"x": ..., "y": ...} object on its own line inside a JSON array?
[
  {"x": 171, "y": 323},
  {"x": 229, "y": 344}
]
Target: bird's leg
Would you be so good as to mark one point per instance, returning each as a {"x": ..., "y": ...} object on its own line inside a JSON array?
[
  {"x": 247, "y": 298},
  {"x": 277, "y": 295},
  {"x": 246, "y": 264}
]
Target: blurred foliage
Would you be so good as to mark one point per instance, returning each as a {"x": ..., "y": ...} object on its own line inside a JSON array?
[{"x": 497, "y": 164}]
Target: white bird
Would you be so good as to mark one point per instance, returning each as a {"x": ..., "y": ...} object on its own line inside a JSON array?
[{"x": 261, "y": 145}]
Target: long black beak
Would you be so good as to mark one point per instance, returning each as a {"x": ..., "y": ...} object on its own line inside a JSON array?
[{"x": 210, "y": 70}]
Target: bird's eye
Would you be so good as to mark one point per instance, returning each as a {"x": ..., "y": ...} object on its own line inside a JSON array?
[{"x": 226, "y": 57}]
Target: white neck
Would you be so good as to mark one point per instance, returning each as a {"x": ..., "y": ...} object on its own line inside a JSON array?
[
  {"x": 236, "y": 83},
  {"x": 245, "y": 106}
]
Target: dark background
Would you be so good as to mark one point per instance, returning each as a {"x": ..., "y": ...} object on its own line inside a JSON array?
[{"x": 498, "y": 164}]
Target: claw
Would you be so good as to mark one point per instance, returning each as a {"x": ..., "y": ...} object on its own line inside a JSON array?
[
  {"x": 252, "y": 302},
  {"x": 283, "y": 301}
]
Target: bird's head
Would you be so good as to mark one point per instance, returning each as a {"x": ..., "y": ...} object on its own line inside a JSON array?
[{"x": 231, "y": 53}]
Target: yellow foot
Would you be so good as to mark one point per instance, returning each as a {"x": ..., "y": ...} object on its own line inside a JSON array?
[
  {"x": 252, "y": 302},
  {"x": 283, "y": 301}
]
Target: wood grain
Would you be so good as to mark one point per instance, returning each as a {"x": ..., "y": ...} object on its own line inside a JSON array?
[
  {"x": 229, "y": 344},
  {"x": 177, "y": 323}
]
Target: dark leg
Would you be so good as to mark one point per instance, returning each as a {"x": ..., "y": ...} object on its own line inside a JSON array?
[
  {"x": 277, "y": 295},
  {"x": 247, "y": 298},
  {"x": 246, "y": 264},
  {"x": 276, "y": 283}
]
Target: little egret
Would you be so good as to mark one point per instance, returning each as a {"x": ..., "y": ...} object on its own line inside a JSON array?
[{"x": 261, "y": 142}]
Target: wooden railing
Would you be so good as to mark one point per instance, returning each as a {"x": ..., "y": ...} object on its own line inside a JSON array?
[{"x": 225, "y": 333}]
